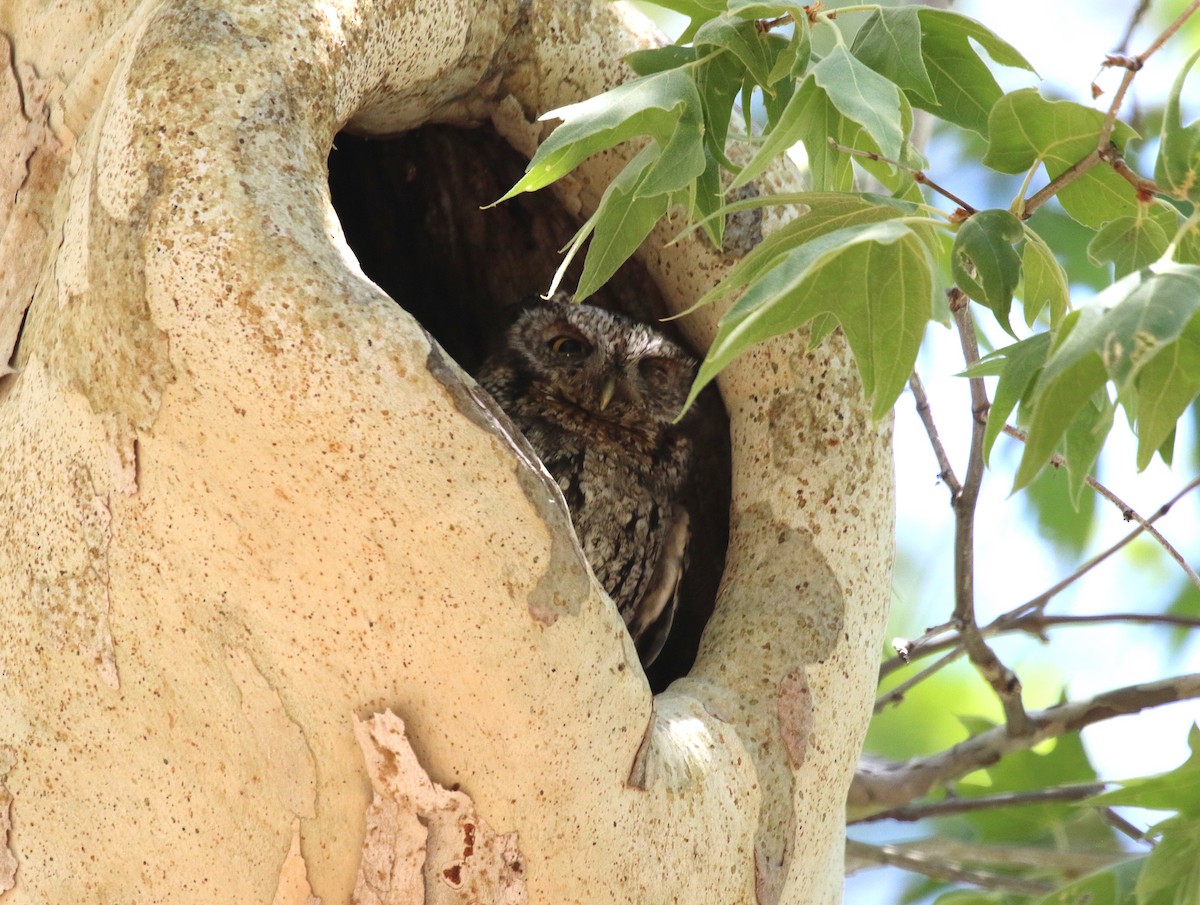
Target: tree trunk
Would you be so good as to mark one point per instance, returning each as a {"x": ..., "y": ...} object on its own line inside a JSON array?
[{"x": 286, "y": 612}]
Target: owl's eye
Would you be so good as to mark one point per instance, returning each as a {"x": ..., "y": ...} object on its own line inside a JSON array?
[
  {"x": 657, "y": 368},
  {"x": 569, "y": 346}
]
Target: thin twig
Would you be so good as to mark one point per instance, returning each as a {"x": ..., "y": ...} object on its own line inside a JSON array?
[
  {"x": 911, "y": 858},
  {"x": 1103, "y": 150},
  {"x": 1119, "y": 823},
  {"x": 1034, "y": 623},
  {"x": 1127, "y": 511},
  {"x": 1042, "y": 599},
  {"x": 1002, "y": 679},
  {"x": 949, "y": 478},
  {"x": 1123, "y": 45},
  {"x": 917, "y": 175},
  {"x": 896, "y": 695},
  {"x": 913, "y": 813}
]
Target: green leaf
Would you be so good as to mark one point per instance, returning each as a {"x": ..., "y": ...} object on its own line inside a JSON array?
[
  {"x": 1043, "y": 280},
  {"x": 764, "y": 9},
  {"x": 1112, "y": 886},
  {"x": 1084, "y": 438},
  {"x": 622, "y": 220},
  {"x": 660, "y": 59},
  {"x": 1112, "y": 338},
  {"x": 1130, "y": 243},
  {"x": 699, "y": 11},
  {"x": 962, "y": 83},
  {"x": 1177, "y": 790},
  {"x": 810, "y": 117},
  {"x": 889, "y": 41},
  {"x": 651, "y": 105},
  {"x": 862, "y": 96},
  {"x": 742, "y": 39},
  {"x": 1024, "y": 128},
  {"x": 718, "y": 82},
  {"x": 984, "y": 263},
  {"x": 1057, "y": 519},
  {"x": 1172, "y": 871},
  {"x": 875, "y": 279},
  {"x": 1018, "y": 366},
  {"x": 1178, "y": 166},
  {"x": 824, "y": 212},
  {"x": 1166, "y": 387}
]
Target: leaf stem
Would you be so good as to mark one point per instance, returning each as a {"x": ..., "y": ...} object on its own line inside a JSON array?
[{"x": 918, "y": 175}]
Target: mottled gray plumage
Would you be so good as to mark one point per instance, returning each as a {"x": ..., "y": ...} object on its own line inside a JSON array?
[{"x": 596, "y": 393}]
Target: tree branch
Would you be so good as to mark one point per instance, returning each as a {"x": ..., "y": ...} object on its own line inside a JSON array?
[
  {"x": 1032, "y": 623},
  {"x": 913, "y": 813},
  {"x": 1002, "y": 679},
  {"x": 910, "y": 857},
  {"x": 949, "y": 478},
  {"x": 1104, "y": 150},
  {"x": 1127, "y": 511},
  {"x": 896, "y": 785}
]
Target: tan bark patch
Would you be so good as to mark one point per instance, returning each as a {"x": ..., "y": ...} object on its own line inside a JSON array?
[{"x": 424, "y": 842}]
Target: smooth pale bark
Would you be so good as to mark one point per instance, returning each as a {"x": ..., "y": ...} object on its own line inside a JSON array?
[{"x": 280, "y": 596}]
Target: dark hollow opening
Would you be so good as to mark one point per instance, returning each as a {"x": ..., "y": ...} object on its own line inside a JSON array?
[{"x": 410, "y": 209}]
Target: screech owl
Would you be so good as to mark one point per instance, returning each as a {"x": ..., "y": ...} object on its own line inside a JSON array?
[{"x": 596, "y": 393}]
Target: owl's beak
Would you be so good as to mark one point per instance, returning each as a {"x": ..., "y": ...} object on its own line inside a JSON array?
[{"x": 607, "y": 391}]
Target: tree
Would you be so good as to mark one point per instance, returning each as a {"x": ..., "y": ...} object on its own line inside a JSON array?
[
  {"x": 288, "y": 597},
  {"x": 299, "y": 617}
]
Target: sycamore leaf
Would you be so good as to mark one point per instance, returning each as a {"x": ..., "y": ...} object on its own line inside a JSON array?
[
  {"x": 652, "y": 105},
  {"x": 660, "y": 59},
  {"x": 1084, "y": 438},
  {"x": 810, "y": 116},
  {"x": 1018, "y": 366},
  {"x": 1178, "y": 166},
  {"x": 699, "y": 11},
  {"x": 1024, "y": 128},
  {"x": 1043, "y": 280},
  {"x": 875, "y": 279},
  {"x": 624, "y": 217},
  {"x": 984, "y": 262},
  {"x": 824, "y": 213},
  {"x": 1166, "y": 387},
  {"x": 862, "y": 96},
  {"x": 963, "y": 86},
  {"x": 1130, "y": 243},
  {"x": 1112, "y": 338},
  {"x": 889, "y": 42},
  {"x": 929, "y": 53},
  {"x": 742, "y": 39}
]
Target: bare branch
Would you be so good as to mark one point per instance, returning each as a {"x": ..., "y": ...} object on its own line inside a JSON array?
[
  {"x": 913, "y": 813},
  {"x": 1042, "y": 599},
  {"x": 896, "y": 785},
  {"x": 896, "y": 695},
  {"x": 1103, "y": 150},
  {"x": 939, "y": 451},
  {"x": 1002, "y": 679},
  {"x": 1035, "y": 622},
  {"x": 1123, "y": 45},
  {"x": 910, "y": 857},
  {"x": 1127, "y": 511}
]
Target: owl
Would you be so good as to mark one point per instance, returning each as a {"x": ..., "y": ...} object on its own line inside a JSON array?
[{"x": 597, "y": 394}]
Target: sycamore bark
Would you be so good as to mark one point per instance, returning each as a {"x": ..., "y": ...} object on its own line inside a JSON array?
[{"x": 285, "y": 613}]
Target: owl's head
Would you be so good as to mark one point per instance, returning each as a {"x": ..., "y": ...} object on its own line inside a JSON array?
[{"x": 612, "y": 367}]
